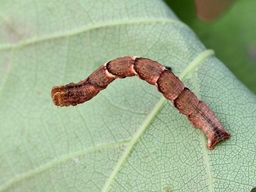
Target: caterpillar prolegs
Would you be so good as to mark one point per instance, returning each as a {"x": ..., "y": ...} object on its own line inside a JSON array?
[{"x": 197, "y": 112}]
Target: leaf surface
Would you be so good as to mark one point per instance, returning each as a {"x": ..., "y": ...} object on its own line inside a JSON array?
[
  {"x": 232, "y": 35},
  {"x": 127, "y": 138}
]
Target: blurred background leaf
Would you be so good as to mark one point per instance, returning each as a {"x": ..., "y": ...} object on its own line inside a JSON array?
[{"x": 232, "y": 35}]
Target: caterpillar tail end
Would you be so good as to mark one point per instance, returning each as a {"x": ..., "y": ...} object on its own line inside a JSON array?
[{"x": 218, "y": 136}]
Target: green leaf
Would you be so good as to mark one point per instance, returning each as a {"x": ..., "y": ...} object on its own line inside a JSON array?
[
  {"x": 232, "y": 35},
  {"x": 127, "y": 138}
]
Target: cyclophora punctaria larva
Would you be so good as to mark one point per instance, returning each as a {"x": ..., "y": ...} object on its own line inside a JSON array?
[{"x": 154, "y": 73}]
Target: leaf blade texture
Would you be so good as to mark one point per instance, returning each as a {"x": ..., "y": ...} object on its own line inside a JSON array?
[{"x": 43, "y": 147}]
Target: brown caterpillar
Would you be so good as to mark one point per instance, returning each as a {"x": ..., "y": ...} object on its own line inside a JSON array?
[{"x": 197, "y": 112}]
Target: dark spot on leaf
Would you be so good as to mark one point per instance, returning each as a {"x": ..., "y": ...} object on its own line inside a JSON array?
[{"x": 14, "y": 30}]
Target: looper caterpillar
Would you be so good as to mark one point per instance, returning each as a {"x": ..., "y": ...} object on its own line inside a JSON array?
[{"x": 197, "y": 112}]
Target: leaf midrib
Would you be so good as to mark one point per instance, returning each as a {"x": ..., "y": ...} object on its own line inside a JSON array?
[
  {"x": 20, "y": 177},
  {"x": 151, "y": 116}
]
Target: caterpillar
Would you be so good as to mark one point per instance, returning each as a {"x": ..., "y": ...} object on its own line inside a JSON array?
[{"x": 197, "y": 112}]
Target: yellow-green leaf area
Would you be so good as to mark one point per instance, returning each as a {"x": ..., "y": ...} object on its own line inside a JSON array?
[{"x": 127, "y": 138}]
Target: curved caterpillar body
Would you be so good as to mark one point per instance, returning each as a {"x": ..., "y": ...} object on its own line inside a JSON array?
[{"x": 154, "y": 73}]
